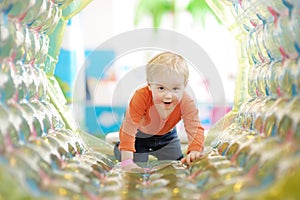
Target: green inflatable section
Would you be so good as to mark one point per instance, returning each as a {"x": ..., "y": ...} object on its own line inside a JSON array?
[{"x": 251, "y": 153}]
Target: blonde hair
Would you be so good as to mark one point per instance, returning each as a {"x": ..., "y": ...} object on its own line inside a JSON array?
[{"x": 167, "y": 62}]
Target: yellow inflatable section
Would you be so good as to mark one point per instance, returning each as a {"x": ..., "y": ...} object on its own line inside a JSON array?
[{"x": 252, "y": 153}]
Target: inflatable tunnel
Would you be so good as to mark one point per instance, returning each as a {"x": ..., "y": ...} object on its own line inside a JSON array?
[{"x": 253, "y": 152}]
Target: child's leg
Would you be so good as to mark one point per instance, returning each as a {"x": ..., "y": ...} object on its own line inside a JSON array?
[
  {"x": 168, "y": 147},
  {"x": 117, "y": 152},
  {"x": 140, "y": 157},
  {"x": 137, "y": 157},
  {"x": 171, "y": 151}
]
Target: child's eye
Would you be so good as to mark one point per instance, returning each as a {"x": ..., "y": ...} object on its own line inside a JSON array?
[{"x": 161, "y": 88}]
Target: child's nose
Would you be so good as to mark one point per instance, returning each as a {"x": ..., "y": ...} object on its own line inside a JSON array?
[{"x": 168, "y": 94}]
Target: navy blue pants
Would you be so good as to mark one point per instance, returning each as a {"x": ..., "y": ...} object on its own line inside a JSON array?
[{"x": 163, "y": 147}]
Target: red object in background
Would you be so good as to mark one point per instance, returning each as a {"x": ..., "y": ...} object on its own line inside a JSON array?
[{"x": 218, "y": 113}]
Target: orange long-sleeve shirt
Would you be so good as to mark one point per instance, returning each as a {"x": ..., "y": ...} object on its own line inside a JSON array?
[{"x": 142, "y": 114}]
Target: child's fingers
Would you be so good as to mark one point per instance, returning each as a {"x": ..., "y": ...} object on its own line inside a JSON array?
[
  {"x": 191, "y": 158},
  {"x": 183, "y": 160},
  {"x": 186, "y": 160}
]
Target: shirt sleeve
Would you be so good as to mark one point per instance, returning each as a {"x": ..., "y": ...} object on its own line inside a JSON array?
[
  {"x": 134, "y": 113},
  {"x": 193, "y": 127}
]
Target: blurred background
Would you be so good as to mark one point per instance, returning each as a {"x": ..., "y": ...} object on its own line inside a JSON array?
[{"x": 106, "y": 81}]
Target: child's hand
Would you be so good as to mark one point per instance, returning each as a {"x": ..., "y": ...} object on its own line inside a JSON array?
[
  {"x": 130, "y": 166},
  {"x": 192, "y": 156}
]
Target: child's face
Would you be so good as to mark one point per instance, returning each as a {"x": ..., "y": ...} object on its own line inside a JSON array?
[{"x": 167, "y": 90}]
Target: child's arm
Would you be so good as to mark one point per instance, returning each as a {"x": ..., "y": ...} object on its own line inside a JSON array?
[
  {"x": 193, "y": 128},
  {"x": 134, "y": 113},
  {"x": 125, "y": 155}
]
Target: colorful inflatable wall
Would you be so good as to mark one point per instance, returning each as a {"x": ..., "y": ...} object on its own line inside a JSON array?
[{"x": 251, "y": 153}]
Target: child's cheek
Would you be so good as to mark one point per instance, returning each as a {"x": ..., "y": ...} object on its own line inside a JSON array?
[
  {"x": 178, "y": 97},
  {"x": 156, "y": 99}
]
